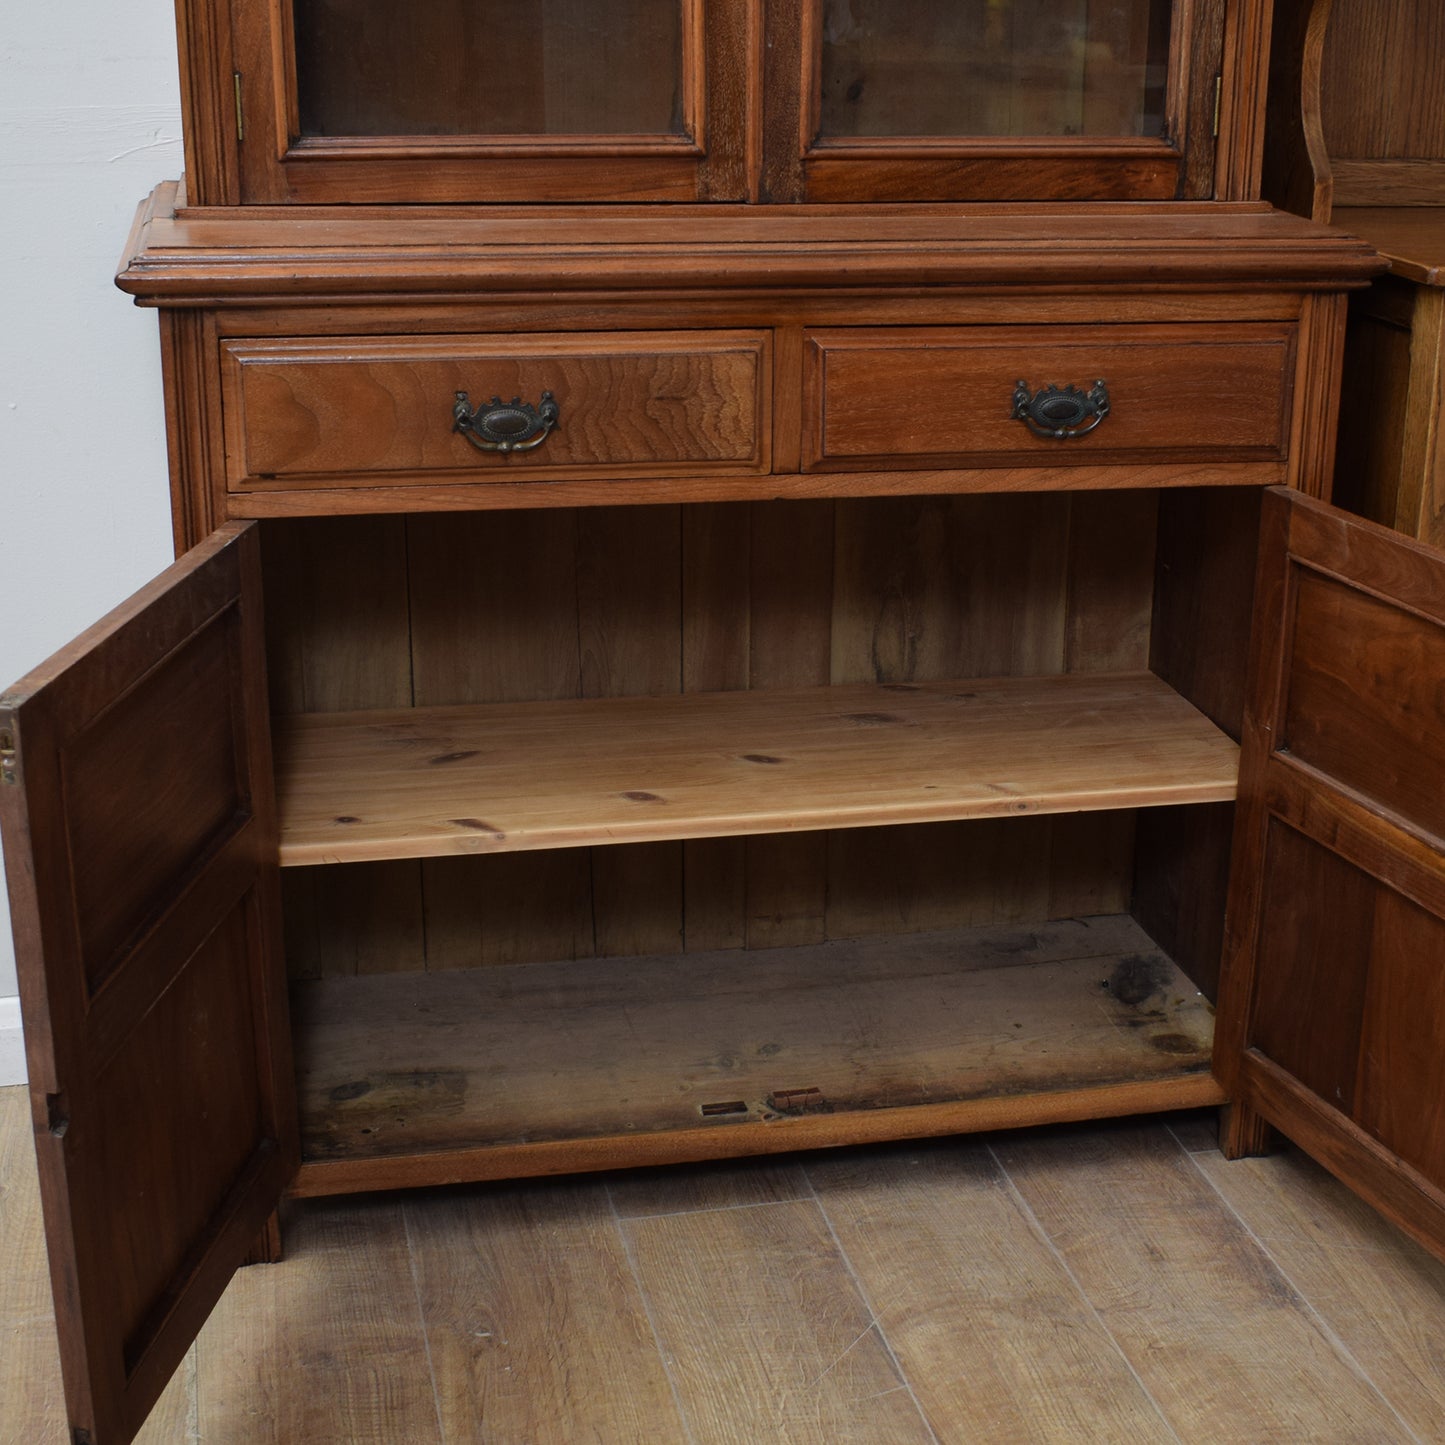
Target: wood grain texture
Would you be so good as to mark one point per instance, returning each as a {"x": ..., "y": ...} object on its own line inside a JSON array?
[
  {"x": 342, "y": 1312},
  {"x": 765, "y": 1340},
  {"x": 431, "y": 782},
  {"x": 1314, "y": 556},
  {"x": 1412, "y": 237},
  {"x": 535, "y": 1327},
  {"x": 382, "y": 407},
  {"x": 1358, "y": 1275},
  {"x": 1219, "y": 1341},
  {"x": 1383, "y": 1296},
  {"x": 1380, "y": 95},
  {"x": 980, "y": 1311},
  {"x": 869, "y": 394},
  {"x": 738, "y": 1183},
  {"x": 1363, "y": 703},
  {"x": 245, "y": 253},
  {"x": 158, "y": 1048},
  {"x": 394, "y": 1065}
]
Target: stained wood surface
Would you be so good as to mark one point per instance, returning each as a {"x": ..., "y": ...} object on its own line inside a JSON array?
[
  {"x": 873, "y": 396},
  {"x": 497, "y": 1274},
  {"x": 246, "y": 252},
  {"x": 1338, "y": 861},
  {"x": 1381, "y": 96},
  {"x": 979, "y": 1308},
  {"x": 534, "y": 605},
  {"x": 383, "y": 406},
  {"x": 153, "y": 982},
  {"x": 1221, "y": 1336},
  {"x": 342, "y": 1312},
  {"x": 1381, "y": 1295},
  {"x": 395, "y": 1064},
  {"x": 964, "y": 1286},
  {"x": 1412, "y": 237},
  {"x": 830, "y": 1377},
  {"x": 430, "y": 782}
]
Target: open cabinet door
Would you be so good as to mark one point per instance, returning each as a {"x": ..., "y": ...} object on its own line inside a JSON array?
[
  {"x": 1332, "y": 1007},
  {"x": 140, "y": 845}
]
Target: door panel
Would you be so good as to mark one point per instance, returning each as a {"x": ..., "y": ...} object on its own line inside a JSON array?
[
  {"x": 140, "y": 841},
  {"x": 367, "y": 101},
  {"x": 990, "y": 100},
  {"x": 1332, "y": 1008}
]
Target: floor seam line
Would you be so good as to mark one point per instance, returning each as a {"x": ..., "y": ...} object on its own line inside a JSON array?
[
  {"x": 1325, "y": 1328},
  {"x": 1035, "y": 1223},
  {"x": 905, "y": 1381},
  {"x": 630, "y": 1255}
]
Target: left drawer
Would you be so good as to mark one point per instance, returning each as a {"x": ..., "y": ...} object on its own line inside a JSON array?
[{"x": 328, "y": 412}]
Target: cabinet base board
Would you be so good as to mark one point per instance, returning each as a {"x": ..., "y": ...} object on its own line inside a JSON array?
[
  {"x": 318, "y": 1178},
  {"x": 421, "y": 1079}
]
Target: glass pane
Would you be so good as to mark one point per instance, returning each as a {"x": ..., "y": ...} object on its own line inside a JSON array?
[
  {"x": 489, "y": 67},
  {"x": 994, "y": 67}
]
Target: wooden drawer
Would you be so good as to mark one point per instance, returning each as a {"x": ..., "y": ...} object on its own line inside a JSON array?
[
  {"x": 332, "y": 412},
  {"x": 941, "y": 396}
]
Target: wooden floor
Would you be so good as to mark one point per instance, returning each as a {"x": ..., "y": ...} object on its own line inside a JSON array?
[{"x": 1114, "y": 1282}]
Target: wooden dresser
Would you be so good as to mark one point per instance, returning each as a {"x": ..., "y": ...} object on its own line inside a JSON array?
[{"x": 715, "y": 621}]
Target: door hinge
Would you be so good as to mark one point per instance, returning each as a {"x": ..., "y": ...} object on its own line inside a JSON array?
[
  {"x": 9, "y": 758},
  {"x": 1218, "y": 102},
  {"x": 240, "y": 108}
]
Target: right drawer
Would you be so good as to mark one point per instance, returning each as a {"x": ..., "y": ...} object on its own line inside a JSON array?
[{"x": 1014, "y": 396}]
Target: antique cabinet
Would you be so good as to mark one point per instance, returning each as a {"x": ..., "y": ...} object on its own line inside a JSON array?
[{"x": 721, "y": 631}]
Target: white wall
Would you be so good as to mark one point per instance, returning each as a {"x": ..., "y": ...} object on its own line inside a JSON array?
[{"x": 89, "y": 122}]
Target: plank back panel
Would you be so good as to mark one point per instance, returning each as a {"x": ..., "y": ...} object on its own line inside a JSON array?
[
  {"x": 515, "y": 606},
  {"x": 1381, "y": 91}
]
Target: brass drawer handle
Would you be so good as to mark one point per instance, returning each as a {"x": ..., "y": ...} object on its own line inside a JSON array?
[
  {"x": 505, "y": 426},
  {"x": 1061, "y": 412}
]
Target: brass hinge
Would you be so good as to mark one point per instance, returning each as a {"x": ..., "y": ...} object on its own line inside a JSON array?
[
  {"x": 240, "y": 109},
  {"x": 9, "y": 758},
  {"x": 1218, "y": 101}
]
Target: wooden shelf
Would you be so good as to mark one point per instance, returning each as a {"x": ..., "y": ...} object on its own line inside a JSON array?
[
  {"x": 1411, "y": 237},
  {"x": 510, "y": 776},
  {"x": 596, "y": 1063}
]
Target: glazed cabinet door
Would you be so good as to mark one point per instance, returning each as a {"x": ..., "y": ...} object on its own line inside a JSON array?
[
  {"x": 140, "y": 845},
  {"x": 998, "y": 100},
  {"x": 1332, "y": 1008},
  {"x": 371, "y": 101}
]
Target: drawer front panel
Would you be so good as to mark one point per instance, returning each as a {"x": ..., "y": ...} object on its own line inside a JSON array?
[
  {"x": 938, "y": 396},
  {"x": 337, "y": 410}
]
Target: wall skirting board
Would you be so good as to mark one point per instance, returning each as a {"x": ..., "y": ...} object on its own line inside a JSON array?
[{"x": 12, "y": 1043}]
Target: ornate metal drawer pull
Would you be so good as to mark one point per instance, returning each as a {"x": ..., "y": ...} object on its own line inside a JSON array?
[
  {"x": 1061, "y": 412},
  {"x": 505, "y": 426}
]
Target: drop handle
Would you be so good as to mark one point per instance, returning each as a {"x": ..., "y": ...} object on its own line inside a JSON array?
[
  {"x": 505, "y": 426},
  {"x": 1060, "y": 413}
]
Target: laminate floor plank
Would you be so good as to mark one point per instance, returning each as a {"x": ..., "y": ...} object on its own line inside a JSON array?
[
  {"x": 1216, "y": 1333},
  {"x": 1377, "y": 1290},
  {"x": 765, "y": 1335},
  {"x": 536, "y": 1328},
  {"x": 732, "y": 1185},
  {"x": 325, "y": 1348},
  {"x": 978, "y": 1307},
  {"x": 1257, "y": 1302}
]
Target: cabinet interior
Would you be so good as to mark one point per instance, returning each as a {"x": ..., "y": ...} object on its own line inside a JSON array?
[{"x": 1024, "y": 956}]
